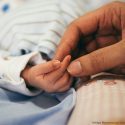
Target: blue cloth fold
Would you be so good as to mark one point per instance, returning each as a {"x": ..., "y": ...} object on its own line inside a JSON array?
[{"x": 43, "y": 109}]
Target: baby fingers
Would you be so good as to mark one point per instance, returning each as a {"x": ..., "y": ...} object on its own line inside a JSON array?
[
  {"x": 63, "y": 83},
  {"x": 60, "y": 85},
  {"x": 65, "y": 88},
  {"x": 46, "y": 67},
  {"x": 55, "y": 75}
]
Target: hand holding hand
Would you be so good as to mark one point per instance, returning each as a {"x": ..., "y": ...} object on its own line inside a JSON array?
[
  {"x": 102, "y": 36},
  {"x": 51, "y": 76}
]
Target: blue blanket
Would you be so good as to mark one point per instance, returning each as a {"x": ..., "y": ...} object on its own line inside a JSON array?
[{"x": 43, "y": 109}]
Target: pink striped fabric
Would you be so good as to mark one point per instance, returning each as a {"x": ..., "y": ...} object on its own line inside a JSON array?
[{"x": 101, "y": 102}]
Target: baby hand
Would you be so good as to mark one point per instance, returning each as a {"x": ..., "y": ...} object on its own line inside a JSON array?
[{"x": 51, "y": 76}]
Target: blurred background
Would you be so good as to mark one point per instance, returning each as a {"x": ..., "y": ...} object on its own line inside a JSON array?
[{"x": 8, "y": 5}]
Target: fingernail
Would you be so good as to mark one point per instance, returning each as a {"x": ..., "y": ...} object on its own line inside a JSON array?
[
  {"x": 75, "y": 68},
  {"x": 69, "y": 57},
  {"x": 56, "y": 63}
]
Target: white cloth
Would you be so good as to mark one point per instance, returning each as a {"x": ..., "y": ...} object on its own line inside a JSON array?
[
  {"x": 37, "y": 25},
  {"x": 10, "y": 70}
]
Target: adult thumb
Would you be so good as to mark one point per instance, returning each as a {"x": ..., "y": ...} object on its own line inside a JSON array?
[{"x": 99, "y": 60}]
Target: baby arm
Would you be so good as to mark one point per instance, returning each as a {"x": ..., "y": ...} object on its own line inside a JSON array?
[{"x": 51, "y": 76}]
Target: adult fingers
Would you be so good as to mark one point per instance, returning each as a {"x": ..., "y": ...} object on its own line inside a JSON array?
[
  {"x": 99, "y": 60},
  {"x": 68, "y": 42},
  {"x": 82, "y": 26}
]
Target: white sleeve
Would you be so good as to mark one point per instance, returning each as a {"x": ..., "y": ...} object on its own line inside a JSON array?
[{"x": 10, "y": 70}]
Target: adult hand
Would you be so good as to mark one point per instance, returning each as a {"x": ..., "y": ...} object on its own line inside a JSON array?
[{"x": 103, "y": 39}]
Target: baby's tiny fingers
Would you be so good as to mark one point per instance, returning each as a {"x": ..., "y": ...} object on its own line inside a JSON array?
[
  {"x": 63, "y": 81},
  {"x": 47, "y": 67},
  {"x": 65, "y": 88},
  {"x": 55, "y": 75},
  {"x": 44, "y": 85},
  {"x": 65, "y": 63}
]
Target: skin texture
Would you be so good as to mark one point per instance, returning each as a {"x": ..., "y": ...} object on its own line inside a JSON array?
[
  {"x": 98, "y": 38},
  {"x": 96, "y": 42},
  {"x": 51, "y": 76}
]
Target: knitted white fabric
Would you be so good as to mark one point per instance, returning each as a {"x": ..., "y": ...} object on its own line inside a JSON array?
[
  {"x": 37, "y": 25},
  {"x": 10, "y": 70}
]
